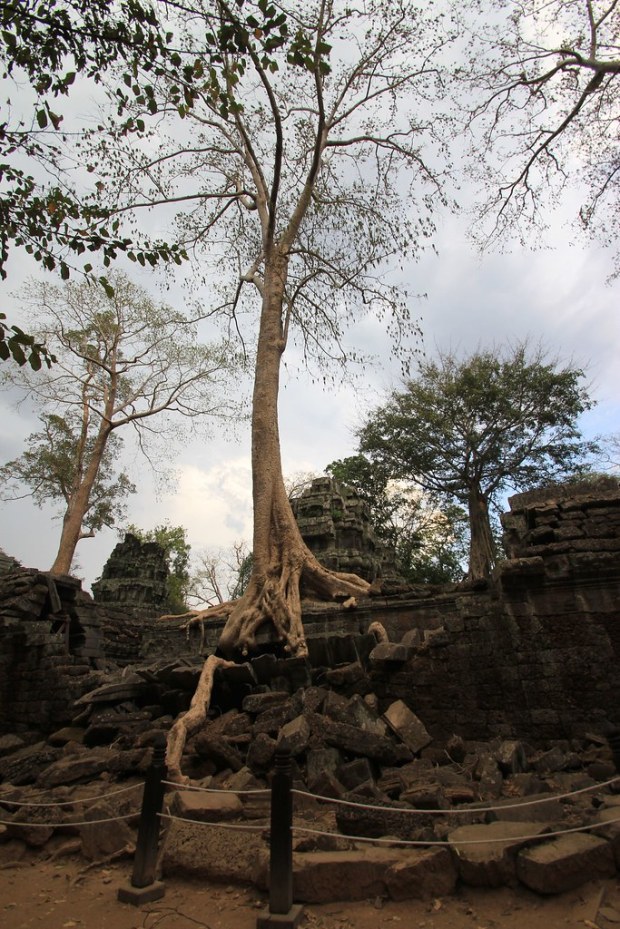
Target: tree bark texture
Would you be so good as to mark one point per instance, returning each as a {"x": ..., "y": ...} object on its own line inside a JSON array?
[{"x": 482, "y": 553}]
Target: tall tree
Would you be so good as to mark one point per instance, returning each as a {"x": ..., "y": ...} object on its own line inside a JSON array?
[
  {"x": 122, "y": 360},
  {"x": 51, "y": 467},
  {"x": 470, "y": 429},
  {"x": 545, "y": 81},
  {"x": 427, "y": 539},
  {"x": 304, "y": 164}
]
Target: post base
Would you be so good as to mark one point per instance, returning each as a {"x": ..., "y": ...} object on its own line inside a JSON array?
[
  {"x": 290, "y": 920},
  {"x": 137, "y": 896}
]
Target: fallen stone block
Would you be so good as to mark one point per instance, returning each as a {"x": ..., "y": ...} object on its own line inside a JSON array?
[
  {"x": 422, "y": 874},
  {"x": 325, "y": 877},
  {"x": 485, "y": 853},
  {"x": 205, "y": 807},
  {"x": 294, "y": 736},
  {"x": 213, "y": 853},
  {"x": 565, "y": 863},
  {"x": 407, "y": 726}
]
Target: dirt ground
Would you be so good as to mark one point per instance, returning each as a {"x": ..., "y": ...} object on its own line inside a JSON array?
[{"x": 62, "y": 895}]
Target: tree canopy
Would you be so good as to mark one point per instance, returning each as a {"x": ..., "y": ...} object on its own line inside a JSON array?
[
  {"x": 51, "y": 466},
  {"x": 121, "y": 360},
  {"x": 469, "y": 429},
  {"x": 541, "y": 85}
]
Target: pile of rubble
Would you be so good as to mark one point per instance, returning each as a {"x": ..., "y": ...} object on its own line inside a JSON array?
[{"x": 497, "y": 799}]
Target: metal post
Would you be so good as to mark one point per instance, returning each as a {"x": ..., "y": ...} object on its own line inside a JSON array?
[
  {"x": 282, "y": 911},
  {"x": 281, "y": 857},
  {"x": 144, "y": 886},
  {"x": 613, "y": 739}
]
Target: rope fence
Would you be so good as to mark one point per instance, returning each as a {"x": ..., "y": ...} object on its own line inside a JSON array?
[{"x": 144, "y": 886}]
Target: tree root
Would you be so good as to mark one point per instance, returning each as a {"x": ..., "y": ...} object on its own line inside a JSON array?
[
  {"x": 189, "y": 722},
  {"x": 378, "y": 630}
]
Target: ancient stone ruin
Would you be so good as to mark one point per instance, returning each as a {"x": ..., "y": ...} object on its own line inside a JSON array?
[{"x": 481, "y": 700}]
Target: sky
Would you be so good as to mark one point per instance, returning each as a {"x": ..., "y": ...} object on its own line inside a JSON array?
[{"x": 558, "y": 294}]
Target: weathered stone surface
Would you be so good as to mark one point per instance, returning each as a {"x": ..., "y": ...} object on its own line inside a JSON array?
[
  {"x": 321, "y": 877},
  {"x": 565, "y": 863},
  {"x": 357, "y": 741},
  {"x": 99, "y": 840},
  {"x": 258, "y": 703},
  {"x": 261, "y": 752},
  {"x": 205, "y": 807},
  {"x": 485, "y": 853},
  {"x": 422, "y": 874},
  {"x": 219, "y": 750},
  {"x": 294, "y": 736},
  {"x": 536, "y": 808},
  {"x": 407, "y": 726},
  {"x": 25, "y": 765},
  {"x": 387, "y": 654},
  {"x": 213, "y": 854},
  {"x": 402, "y": 822},
  {"x": 319, "y": 760},
  {"x": 355, "y": 772}
]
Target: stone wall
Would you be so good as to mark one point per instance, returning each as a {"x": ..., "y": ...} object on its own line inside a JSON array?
[
  {"x": 49, "y": 645},
  {"x": 538, "y": 654},
  {"x": 535, "y": 654}
]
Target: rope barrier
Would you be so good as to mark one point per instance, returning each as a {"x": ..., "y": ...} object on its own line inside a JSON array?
[
  {"x": 113, "y": 793},
  {"x": 424, "y": 842},
  {"x": 452, "y": 811},
  {"x": 264, "y": 791},
  {"x": 69, "y": 822},
  {"x": 199, "y": 822}
]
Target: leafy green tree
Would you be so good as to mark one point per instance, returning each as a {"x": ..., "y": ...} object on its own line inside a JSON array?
[
  {"x": 471, "y": 429},
  {"x": 173, "y": 540},
  {"x": 426, "y": 539},
  {"x": 54, "y": 460},
  {"x": 123, "y": 359},
  {"x": 542, "y": 104},
  {"x": 18, "y": 345}
]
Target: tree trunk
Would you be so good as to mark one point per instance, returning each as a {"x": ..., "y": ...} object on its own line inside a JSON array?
[
  {"x": 78, "y": 506},
  {"x": 280, "y": 557},
  {"x": 482, "y": 545}
]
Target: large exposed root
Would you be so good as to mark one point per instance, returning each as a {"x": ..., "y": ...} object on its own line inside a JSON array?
[
  {"x": 189, "y": 722},
  {"x": 273, "y": 598}
]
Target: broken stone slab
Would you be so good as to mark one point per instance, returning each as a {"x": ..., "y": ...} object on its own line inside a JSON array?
[
  {"x": 205, "y": 807},
  {"x": 387, "y": 655},
  {"x": 391, "y": 820},
  {"x": 25, "y": 765},
  {"x": 272, "y": 719},
  {"x": 101, "y": 839},
  {"x": 212, "y": 853},
  {"x": 261, "y": 752},
  {"x": 407, "y": 726},
  {"x": 422, "y": 874},
  {"x": 87, "y": 765},
  {"x": 357, "y": 874},
  {"x": 536, "y": 808},
  {"x": 485, "y": 853},
  {"x": 128, "y": 689},
  {"x": 259, "y": 702},
  {"x": 355, "y": 772},
  {"x": 320, "y": 761},
  {"x": 294, "y": 736},
  {"x": 565, "y": 863},
  {"x": 219, "y": 751},
  {"x": 357, "y": 741}
]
